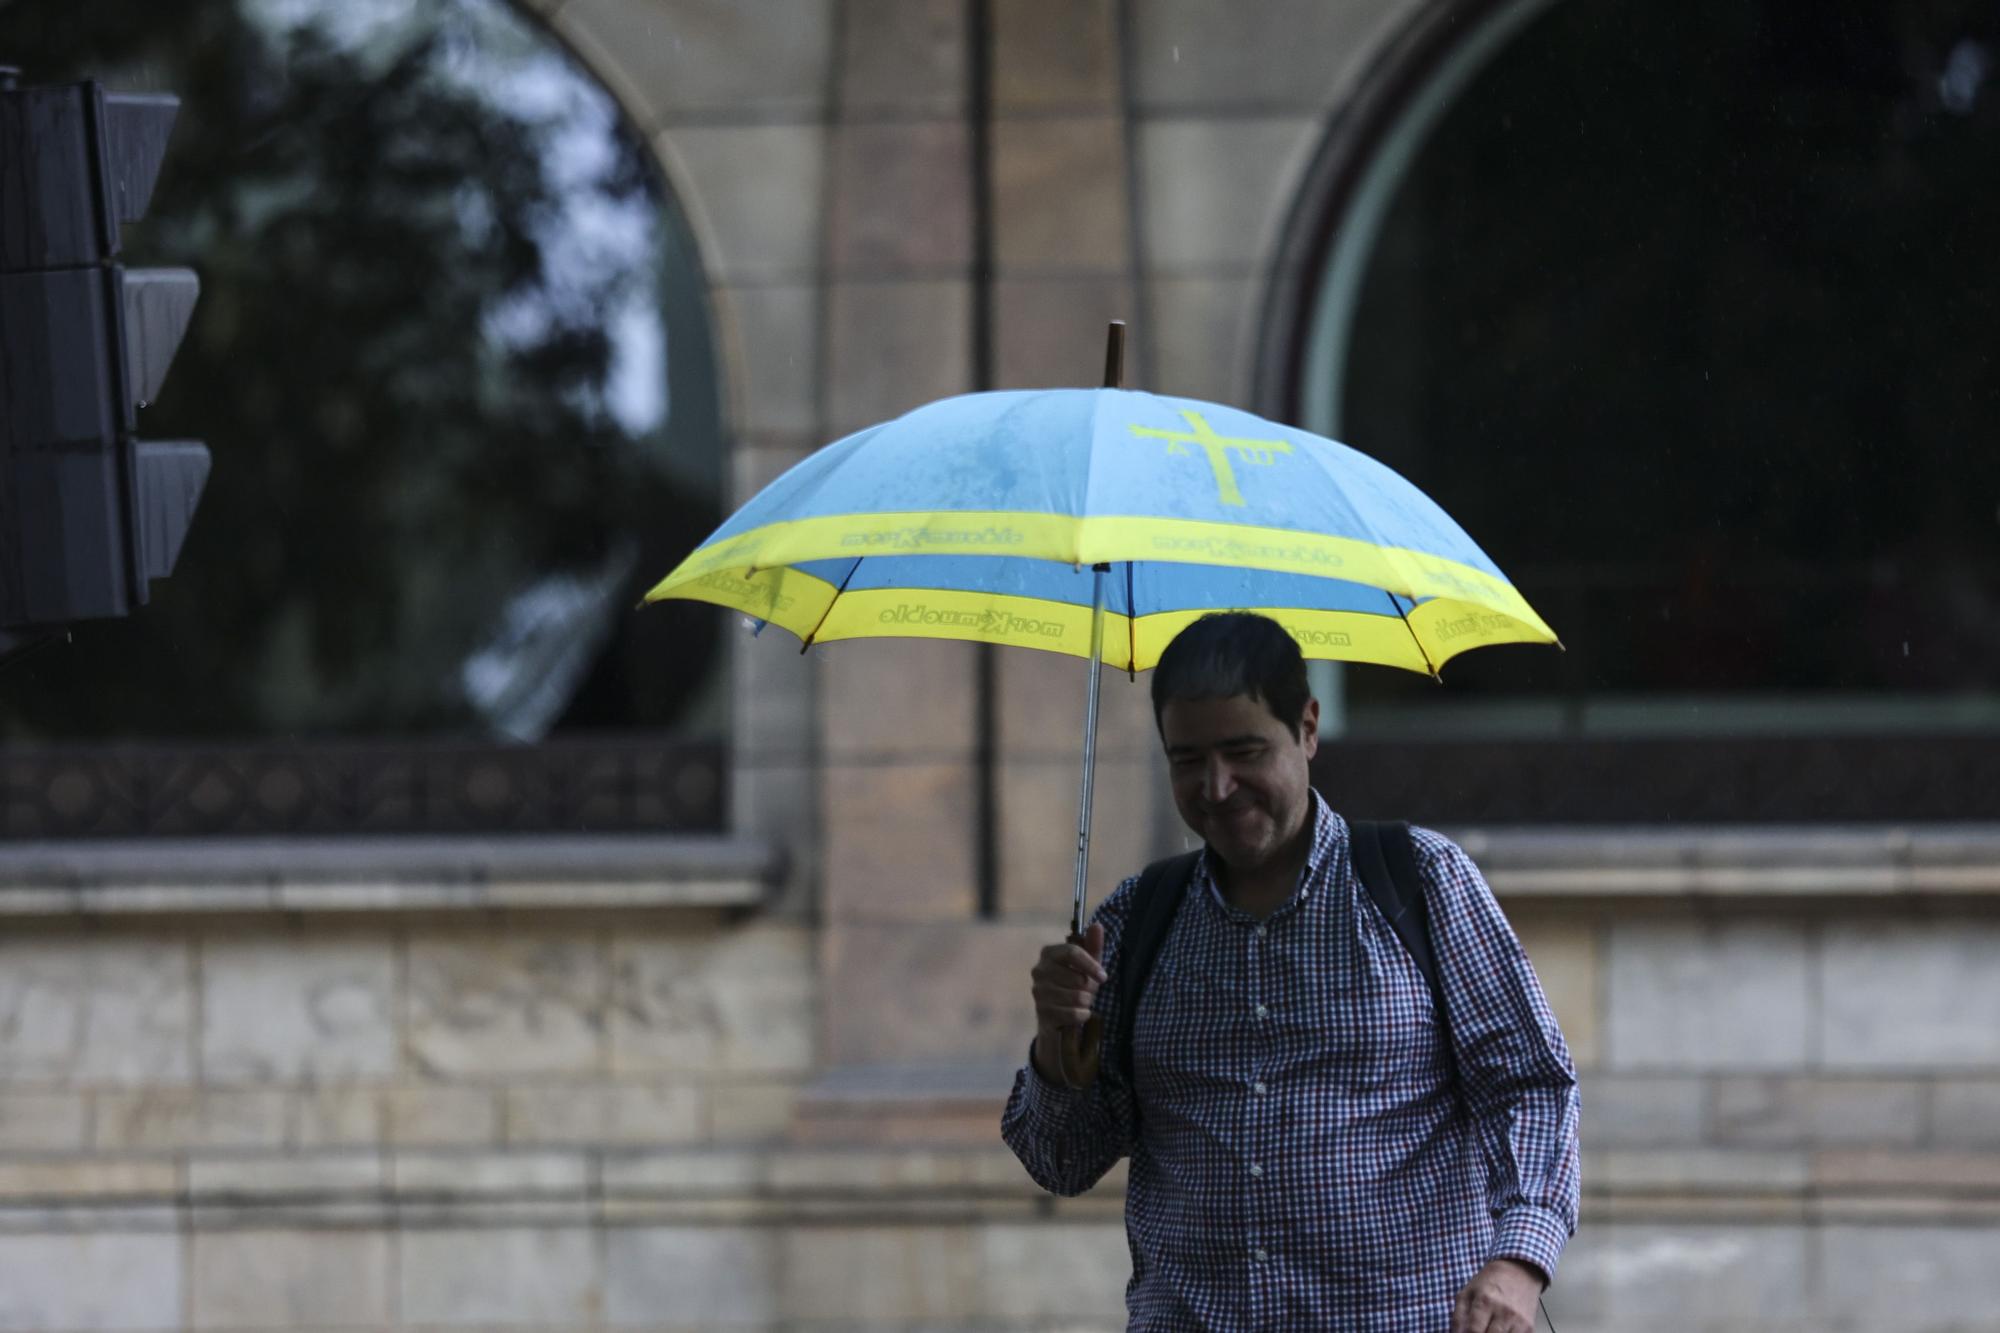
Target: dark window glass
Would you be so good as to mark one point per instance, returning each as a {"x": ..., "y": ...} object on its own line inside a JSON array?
[
  {"x": 1688, "y": 312},
  {"x": 452, "y": 363}
]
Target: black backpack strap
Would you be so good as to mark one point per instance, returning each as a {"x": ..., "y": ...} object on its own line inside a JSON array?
[
  {"x": 1156, "y": 898},
  {"x": 1385, "y": 856}
]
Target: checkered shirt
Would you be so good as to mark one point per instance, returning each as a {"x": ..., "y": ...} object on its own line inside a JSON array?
[{"x": 1313, "y": 1153}]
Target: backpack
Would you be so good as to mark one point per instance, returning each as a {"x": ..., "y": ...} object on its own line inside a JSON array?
[{"x": 1384, "y": 857}]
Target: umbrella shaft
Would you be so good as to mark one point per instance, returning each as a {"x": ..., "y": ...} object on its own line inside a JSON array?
[{"x": 1089, "y": 744}]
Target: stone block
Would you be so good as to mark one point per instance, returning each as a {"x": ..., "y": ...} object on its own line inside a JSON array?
[
  {"x": 490, "y": 1003},
  {"x": 90, "y": 1282},
  {"x": 1965, "y": 1113},
  {"x": 503, "y": 1276},
  {"x": 740, "y": 999},
  {"x": 903, "y": 58},
  {"x": 707, "y": 1171},
  {"x": 1038, "y": 813},
  {"x": 895, "y": 346},
  {"x": 490, "y": 1173},
  {"x": 774, "y": 700},
  {"x": 710, "y": 58},
  {"x": 176, "y": 1118},
  {"x": 1700, "y": 1276},
  {"x": 1041, "y": 709},
  {"x": 901, "y": 199},
  {"x": 43, "y": 1121},
  {"x": 1060, "y": 202},
  {"x": 1049, "y": 334},
  {"x": 880, "y": 1275},
  {"x": 1781, "y": 1112},
  {"x": 267, "y": 1177},
  {"x": 1694, "y": 1170},
  {"x": 1055, "y": 55},
  {"x": 433, "y": 1114},
  {"x": 1688, "y": 995},
  {"x": 1213, "y": 193},
  {"x": 1053, "y": 1270},
  {"x": 338, "y": 1117},
  {"x": 950, "y": 992},
  {"x": 713, "y": 1277},
  {"x": 751, "y": 1111},
  {"x": 1913, "y": 995},
  {"x": 1919, "y": 1173},
  {"x": 780, "y": 802},
  {"x": 899, "y": 841},
  {"x": 777, "y": 356},
  {"x": 1643, "y": 1111},
  {"x": 1196, "y": 54},
  {"x": 899, "y": 698},
  {"x": 289, "y": 1279},
  {"x": 1204, "y": 335},
  {"x": 95, "y": 1010},
  {"x": 603, "y": 1113},
  {"x": 755, "y": 195},
  {"x": 1564, "y": 952},
  {"x": 70, "y": 1179},
  {"x": 293, "y": 1008},
  {"x": 1933, "y": 1277}
]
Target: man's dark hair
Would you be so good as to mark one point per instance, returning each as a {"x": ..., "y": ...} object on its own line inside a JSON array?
[{"x": 1234, "y": 652}]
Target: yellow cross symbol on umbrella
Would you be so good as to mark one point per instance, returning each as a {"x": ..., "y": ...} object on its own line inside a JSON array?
[{"x": 1261, "y": 453}]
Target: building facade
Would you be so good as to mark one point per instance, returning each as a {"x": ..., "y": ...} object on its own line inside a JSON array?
[{"x": 750, "y": 1077}]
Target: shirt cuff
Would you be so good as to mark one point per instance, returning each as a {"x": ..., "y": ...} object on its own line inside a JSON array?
[
  {"x": 1046, "y": 1106},
  {"x": 1531, "y": 1235}
]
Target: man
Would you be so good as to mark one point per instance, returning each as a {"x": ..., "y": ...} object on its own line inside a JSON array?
[{"x": 1309, "y": 1149}]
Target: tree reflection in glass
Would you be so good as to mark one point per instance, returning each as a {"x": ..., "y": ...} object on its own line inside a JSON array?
[{"x": 453, "y": 365}]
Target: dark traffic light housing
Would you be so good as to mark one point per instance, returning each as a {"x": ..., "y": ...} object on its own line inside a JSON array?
[{"x": 89, "y": 514}]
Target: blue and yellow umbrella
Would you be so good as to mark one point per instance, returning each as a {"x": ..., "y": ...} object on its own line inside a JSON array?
[
  {"x": 1100, "y": 522},
  {"x": 983, "y": 516}
]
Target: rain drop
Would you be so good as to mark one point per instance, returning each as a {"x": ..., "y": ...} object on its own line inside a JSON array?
[{"x": 1906, "y": 647}]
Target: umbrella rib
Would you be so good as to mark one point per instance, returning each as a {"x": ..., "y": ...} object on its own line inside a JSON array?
[
  {"x": 829, "y": 604},
  {"x": 1428, "y": 664},
  {"x": 1131, "y": 628}
]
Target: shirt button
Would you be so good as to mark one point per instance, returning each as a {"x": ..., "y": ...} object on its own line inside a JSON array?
[
  {"x": 1260, "y": 1255},
  {"x": 1260, "y": 932},
  {"x": 1260, "y": 1089},
  {"x": 1256, "y": 1170},
  {"x": 1263, "y": 1011}
]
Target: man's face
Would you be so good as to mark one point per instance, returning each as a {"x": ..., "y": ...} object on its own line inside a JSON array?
[{"x": 1239, "y": 774}]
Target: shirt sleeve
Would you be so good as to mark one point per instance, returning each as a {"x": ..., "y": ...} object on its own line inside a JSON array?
[
  {"x": 1513, "y": 1065},
  {"x": 1068, "y": 1138}
]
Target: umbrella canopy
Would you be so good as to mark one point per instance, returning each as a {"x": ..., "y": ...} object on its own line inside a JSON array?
[{"x": 981, "y": 516}]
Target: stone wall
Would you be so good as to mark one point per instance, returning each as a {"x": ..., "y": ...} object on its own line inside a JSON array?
[{"x": 370, "y": 1110}]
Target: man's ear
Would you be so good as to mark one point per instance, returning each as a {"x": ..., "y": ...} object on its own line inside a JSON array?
[{"x": 1309, "y": 727}]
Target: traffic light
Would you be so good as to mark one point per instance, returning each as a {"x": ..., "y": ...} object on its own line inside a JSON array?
[{"x": 89, "y": 514}]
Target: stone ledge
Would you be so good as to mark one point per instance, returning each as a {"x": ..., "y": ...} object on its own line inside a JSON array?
[
  {"x": 871, "y": 1177},
  {"x": 1716, "y": 861},
  {"x": 213, "y": 876}
]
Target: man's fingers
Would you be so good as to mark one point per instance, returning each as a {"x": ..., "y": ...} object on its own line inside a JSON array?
[
  {"x": 1093, "y": 943},
  {"x": 1072, "y": 958}
]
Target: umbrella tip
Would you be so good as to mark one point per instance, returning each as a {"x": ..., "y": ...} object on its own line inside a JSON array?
[{"x": 1114, "y": 355}]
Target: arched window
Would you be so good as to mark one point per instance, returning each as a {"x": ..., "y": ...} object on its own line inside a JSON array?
[
  {"x": 1686, "y": 311},
  {"x": 454, "y": 368}
]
